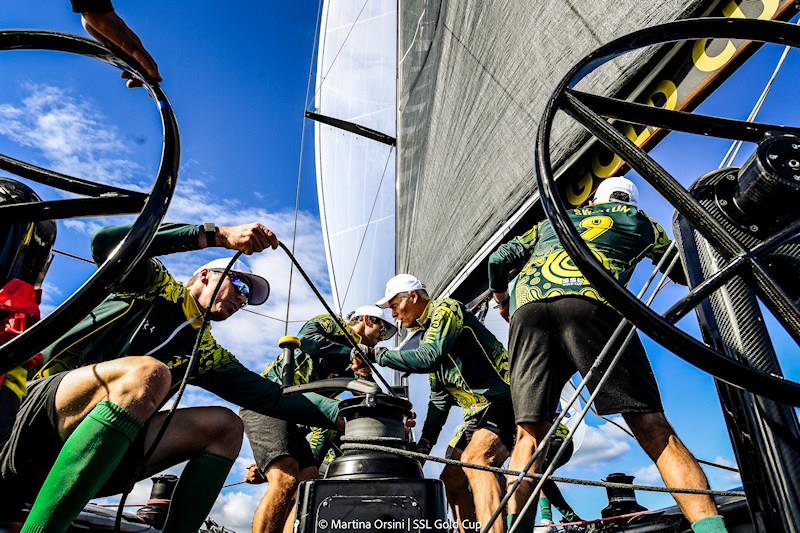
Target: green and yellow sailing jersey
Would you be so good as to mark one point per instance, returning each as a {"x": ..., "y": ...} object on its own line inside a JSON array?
[
  {"x": 468, "y": 366},
  {"x": 151, "y": 313},
  {"x": 618, "y": 235},
  {"x": 324, "y": 352}
]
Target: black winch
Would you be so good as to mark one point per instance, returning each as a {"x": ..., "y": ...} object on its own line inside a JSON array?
[{"x": 369, "y": 490}]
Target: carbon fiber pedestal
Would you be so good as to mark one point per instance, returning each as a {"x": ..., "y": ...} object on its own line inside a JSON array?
[{"x": 752, "y": 204}]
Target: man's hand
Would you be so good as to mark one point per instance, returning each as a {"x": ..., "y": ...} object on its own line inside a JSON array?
[
  {"x": 247, "y": 238},
  {"x": 109, "y": 28},
  {"x": 253, "y": 475},
  {"x": 339, "y": 423},
  {"x": 423, "y": 446},
  {"x": 502, "y": 299}
]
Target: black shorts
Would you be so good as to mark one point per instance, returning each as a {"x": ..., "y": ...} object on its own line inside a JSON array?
[
  {"x": 497, "y": 417},
  {"x": 9, "y": 404},
  {"x": 34, "y": 444},
  {"x": 550, "y": 340},
  {"x": 271, "y": 438}
]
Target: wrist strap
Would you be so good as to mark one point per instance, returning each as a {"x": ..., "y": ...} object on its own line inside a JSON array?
[{"x": 210, "y": 231}]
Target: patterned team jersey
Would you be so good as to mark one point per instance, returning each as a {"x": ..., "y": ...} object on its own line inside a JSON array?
[
  {"x": 618, "y": 235},
  {"x": 152, "y": 313},
  {"x": 324, "y": 352},
  {"x": 466, "y": 363}
]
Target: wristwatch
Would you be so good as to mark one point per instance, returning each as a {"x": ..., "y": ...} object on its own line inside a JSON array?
[{"x": 211, "y": 233}]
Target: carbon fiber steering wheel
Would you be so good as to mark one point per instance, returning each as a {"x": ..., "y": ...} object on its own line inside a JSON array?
[
  {"x": 98, "y": 199},
  {"x": 743, "y": 258}
]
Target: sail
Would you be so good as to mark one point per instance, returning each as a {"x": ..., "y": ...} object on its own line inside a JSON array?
[
  {"x": 355, "y": 175},
  {"x": 474, "y": 78}
]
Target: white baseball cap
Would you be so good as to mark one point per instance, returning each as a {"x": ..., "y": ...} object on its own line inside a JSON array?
[
  {"x": 396, "y": 285},
  {"x": 376, "y": 312},
  {"x": 620, "y": 185},
  {"x": 259, "y": 287}
]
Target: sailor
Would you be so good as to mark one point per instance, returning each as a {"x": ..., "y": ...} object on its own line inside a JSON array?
[
  {"x": 25, "y": 255},
  {"x": 467, "y": 366},
  {"x": 283, "y": 455},
  {"x": 101, "y": 21},
  {"x": 560, "y": 324},
  {"x": 93, "y": 412}
]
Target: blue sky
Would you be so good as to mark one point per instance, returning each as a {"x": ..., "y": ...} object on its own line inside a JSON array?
[{"x": 237, "y": 80}]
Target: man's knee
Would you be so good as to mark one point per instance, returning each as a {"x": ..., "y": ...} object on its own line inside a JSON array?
[
  {"x": 227, "y": 430},
  {"x": 143, "y": 380},
  {"x": 454, "y": 478},
  {"x": 652, "y": 430},
  {"x": 283, "y": 474}
]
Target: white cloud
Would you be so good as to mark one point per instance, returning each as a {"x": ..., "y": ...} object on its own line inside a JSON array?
[
  {"x": 234, "y": 509},
  {"x": 72, "y": 135},
  {"x": 601, "y": 444},
  {"x": 649, "y": 475}
]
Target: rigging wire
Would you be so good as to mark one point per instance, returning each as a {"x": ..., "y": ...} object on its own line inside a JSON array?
[
  {"x": 733, "y": 151},
  {"x": 73, "y": 256},
  {"x": 339, "y": 51},
  {"x": 366, "y": 228},
  {"x": 300, "y": 164}
]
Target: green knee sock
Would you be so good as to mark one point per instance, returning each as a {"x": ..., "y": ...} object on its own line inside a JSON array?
[
  {"x": 525, "y": 526},
  {"x": 710, "y": 524},
  {"x": 544, "y": 508},
  {"x": 196, "y": 492},
  {"x": 86, "y": 461}
]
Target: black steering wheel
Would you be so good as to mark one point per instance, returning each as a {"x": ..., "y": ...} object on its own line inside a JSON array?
[
  {"x": 743, "y": 259},
  {"x": 98, "y": 199}
]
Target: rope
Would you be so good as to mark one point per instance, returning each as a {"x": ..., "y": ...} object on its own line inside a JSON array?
[
  {"x": 366, "y": 228},
  {"x": 300, "y": 167},
  {"x": 531, "y": 475},
  {"x": 598, "y": 520},
  {"x": 190, "y": 365},
  {"x": 338, "y": 321}
]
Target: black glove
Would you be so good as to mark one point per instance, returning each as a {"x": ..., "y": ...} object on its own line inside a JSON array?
[
  {"x": 365, "y": 351},
  {"x": 423, "y": 446}
]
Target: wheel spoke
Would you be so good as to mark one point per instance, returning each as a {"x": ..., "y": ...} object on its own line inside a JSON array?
[
  {"x": 688, "y": 302},
  {"x": 776, "y": 300},
  {"x": 655, "y": 174},
  {"x": 62, "y": 181},
  {"x": 645, "y": 115},
  {"x": 72, "y": 208}
]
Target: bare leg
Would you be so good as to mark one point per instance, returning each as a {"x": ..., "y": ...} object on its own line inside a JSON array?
[
  {"x": 528, "y": 435},
  {"x": 485, "y": 448},
  {"x": 309, "y": 472},
  {"x": 677, "y": 465},
  {"x": 138, "y": 384},
  {"x": 456, "y": 485},
  {"x": 193, "y": 430},
  {"x": 282, "y": 476}
]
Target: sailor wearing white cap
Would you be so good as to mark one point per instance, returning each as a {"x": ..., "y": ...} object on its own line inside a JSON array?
[{"x": 283, "y": 455}]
